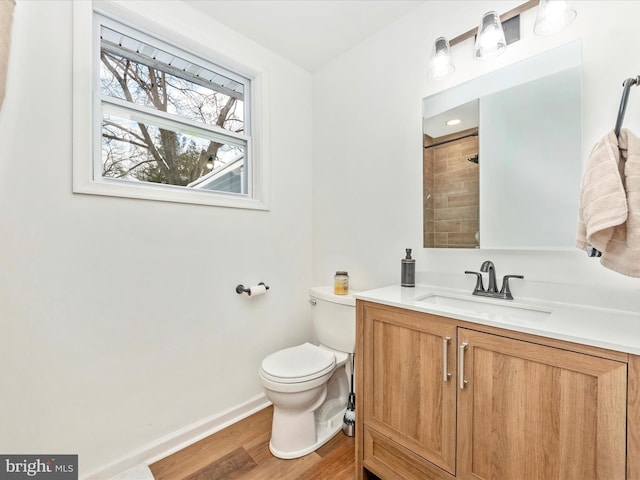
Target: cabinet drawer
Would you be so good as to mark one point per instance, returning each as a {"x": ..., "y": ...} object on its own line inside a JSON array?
[{"x": 390, "y": 461}]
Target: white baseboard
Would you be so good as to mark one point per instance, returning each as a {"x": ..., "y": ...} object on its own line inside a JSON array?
[{"x": 179, "y": 439}]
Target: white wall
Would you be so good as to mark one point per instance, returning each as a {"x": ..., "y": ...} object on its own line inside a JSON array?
[
  {"x": 368, "y": 147},
  {"x": 119, "y": 322}
]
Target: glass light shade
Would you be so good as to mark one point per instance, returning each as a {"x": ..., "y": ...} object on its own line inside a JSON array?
[
  {"x": 490, "y": 41},
  {"x": 553, "y": 16},
  {"x": 441, "y": 64}
]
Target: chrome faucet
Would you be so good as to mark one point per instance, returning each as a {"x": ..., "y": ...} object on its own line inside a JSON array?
[{"x": 492, "y": 289}]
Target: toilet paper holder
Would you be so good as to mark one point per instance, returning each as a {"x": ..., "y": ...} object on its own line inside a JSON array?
[{"x": 242, "y": 289}]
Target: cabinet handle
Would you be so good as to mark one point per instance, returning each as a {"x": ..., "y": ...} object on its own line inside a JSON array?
[
  {"x": 445, "y": 350},
  {"x": 463, "y": 382}
]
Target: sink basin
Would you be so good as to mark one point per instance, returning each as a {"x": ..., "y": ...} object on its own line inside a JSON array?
[{"x": 486, "y": 308}]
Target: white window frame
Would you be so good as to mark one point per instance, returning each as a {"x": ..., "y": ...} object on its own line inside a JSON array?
[{"x": 87, "y": 115}]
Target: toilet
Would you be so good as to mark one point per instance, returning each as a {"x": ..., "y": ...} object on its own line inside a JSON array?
[{"x": 309, "y": 384}]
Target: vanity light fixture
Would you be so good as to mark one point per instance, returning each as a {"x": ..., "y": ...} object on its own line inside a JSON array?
[
  {"x": 490, "y": 41},
  {"x": 496, "y": 32},
  {"x": 553, "y": 16},
  {"x": 441, "y": 64}
]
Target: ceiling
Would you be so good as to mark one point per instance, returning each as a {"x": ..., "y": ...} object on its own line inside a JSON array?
[
  {"x": 468, "y": 114},
  {"x": 310, "y": 33}
]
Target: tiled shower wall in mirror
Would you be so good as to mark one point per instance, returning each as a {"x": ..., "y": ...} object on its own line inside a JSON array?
[{"x": 451, "y": 191}]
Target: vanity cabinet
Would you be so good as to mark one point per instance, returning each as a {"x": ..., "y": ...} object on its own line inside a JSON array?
[{"x": 439, "y": 398}]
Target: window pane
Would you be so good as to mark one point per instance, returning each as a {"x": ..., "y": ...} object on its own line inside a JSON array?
[
  {"x": 132, "y": 150},
  {"x": 136, "y": 72}
]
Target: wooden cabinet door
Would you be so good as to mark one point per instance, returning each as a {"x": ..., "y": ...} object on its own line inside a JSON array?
[
  {"x": 531, "y": 412},
  {"x": 406, "y": 395}
]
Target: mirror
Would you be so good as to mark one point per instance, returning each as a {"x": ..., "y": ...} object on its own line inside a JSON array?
[{"x": 507, "y": 175}]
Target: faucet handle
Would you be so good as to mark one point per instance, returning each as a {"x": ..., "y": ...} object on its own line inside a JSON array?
[
  {"x": 479, "y": 286},
  {"x": 505, "y": 286}
]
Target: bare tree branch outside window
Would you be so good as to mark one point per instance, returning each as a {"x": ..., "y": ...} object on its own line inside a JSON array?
[{"x": 145, "y": 152}]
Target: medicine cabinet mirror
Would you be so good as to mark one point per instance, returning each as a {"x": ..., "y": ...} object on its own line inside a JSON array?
[{"x": 507, "y": 176}]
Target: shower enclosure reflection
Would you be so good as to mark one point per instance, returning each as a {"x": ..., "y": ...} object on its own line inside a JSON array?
[{"x": 451, "y": 188}]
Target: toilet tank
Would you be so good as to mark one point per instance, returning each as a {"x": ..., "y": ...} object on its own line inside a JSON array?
[{"x": 334, "y": 319}]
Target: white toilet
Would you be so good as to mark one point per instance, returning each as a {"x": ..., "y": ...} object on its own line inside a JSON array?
[{"x": 308, "y": 384}]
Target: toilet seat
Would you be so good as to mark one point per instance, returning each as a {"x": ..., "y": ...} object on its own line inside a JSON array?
[{"x": 298, "y": 364}]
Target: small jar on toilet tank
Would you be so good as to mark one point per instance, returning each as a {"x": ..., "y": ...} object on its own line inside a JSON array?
[{"x": 341, "y": 283}]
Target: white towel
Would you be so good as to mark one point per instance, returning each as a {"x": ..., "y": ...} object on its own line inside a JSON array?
[{"x": 610, "y": 203}]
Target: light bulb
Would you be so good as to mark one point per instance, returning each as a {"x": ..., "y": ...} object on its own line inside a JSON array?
[
  {"x": 490, "y": 41},
  {"x": 553, "y": 16},
  {"x": 441, "y": 65}
]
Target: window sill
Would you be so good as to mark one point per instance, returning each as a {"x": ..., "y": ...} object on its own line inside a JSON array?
[{"x": 168, "y": 194}]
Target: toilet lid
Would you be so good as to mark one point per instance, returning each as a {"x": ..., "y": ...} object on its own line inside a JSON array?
[{"x": 298, "y": 364}]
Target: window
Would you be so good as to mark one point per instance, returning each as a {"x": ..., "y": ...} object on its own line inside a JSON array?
[{"x": 167, "y": 124}]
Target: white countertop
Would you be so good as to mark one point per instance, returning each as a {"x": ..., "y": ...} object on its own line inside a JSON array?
[{"x": 600, "y": 327}]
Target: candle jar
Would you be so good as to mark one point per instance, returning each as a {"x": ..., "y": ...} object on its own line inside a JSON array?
[{"x": 341, "y": 283}]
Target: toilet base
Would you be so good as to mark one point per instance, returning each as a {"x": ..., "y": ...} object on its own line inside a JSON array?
[
  {"x": 306, "y": 415},
  {"x": 325, "y": 431}
]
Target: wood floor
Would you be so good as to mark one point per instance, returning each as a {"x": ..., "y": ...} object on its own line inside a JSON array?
[{"x": 241, "y": 452}]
